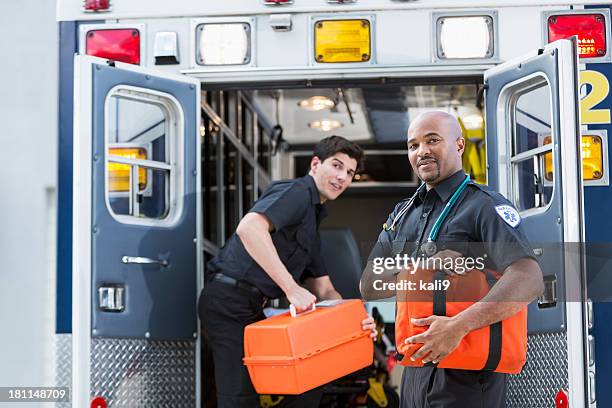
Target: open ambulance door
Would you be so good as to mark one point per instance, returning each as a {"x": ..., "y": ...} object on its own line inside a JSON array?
[
  {"x": 533, "y": 150},
  {"x": 136, "y": 233}
]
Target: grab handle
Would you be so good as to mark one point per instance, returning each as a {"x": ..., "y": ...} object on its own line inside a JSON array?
[
  {"x": 141, "y": 260},
  {"x": 294, "y": 312}
]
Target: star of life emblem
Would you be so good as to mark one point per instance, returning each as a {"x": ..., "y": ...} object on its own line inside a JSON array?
[{"x": 509, "y": 215}]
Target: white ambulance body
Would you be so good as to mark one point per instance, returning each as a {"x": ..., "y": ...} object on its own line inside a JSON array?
[{"x": 173, "y": 117}]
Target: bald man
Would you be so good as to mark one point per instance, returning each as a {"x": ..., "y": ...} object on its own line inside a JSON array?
[{"x": 481, "y": 224}]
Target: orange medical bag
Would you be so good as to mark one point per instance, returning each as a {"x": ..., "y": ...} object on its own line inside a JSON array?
[
  {"x": 291, "y": 355},
  {"x": 500, "y": 347}
]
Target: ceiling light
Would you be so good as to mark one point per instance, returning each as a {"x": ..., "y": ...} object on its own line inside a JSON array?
[
  {"x": 316, "y": 103},
  {"x": 325, "y": 125}
]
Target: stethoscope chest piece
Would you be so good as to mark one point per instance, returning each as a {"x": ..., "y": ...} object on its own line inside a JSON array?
[{"x": 429, "y": 248}]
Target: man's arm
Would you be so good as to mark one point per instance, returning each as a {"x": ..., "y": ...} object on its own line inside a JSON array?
[
  {"x": 323, "y": 288},
  {"x": 522, "y": 279},
  {"x": 371, "y": 282},
  {"x": 254, "y": 232},
  {"x": 375, "y": 272}
]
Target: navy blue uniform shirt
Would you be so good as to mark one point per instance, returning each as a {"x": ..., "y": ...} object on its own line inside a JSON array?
[
  {"x": 482, "y": 223},
  {"x": 294, "y": 208}
]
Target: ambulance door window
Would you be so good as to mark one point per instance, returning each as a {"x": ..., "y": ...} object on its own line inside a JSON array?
[
  {"x": 140, "y": 143},
  {"x": 532, "y": 161}
]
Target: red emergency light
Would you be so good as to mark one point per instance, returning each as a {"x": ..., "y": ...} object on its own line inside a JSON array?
[
  {"x": 116, "y": 44},
  {"x": 562, "y": 399},
  {"x": 590, "y": 29},
  {"x": 98, "y": 402},
  {"x": 96, "y": 5}
]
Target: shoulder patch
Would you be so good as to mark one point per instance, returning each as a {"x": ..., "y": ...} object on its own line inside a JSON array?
[{"x": 508, "y": 214}]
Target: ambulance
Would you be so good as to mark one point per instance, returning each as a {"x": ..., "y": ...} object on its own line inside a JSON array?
[{"x": 173, "y": 117}]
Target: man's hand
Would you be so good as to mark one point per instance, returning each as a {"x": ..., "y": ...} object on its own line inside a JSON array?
[
  {"x": 300, "y": 298},
  {"x": 369, "y": 324},
  {"x": 442, "y": 337},
  {"x": 443, "y": 258}
]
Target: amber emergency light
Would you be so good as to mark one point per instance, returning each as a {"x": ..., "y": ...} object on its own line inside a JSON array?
[
  {"x": 592, "y": 158},
  {"x": 339, "y": 41},
  {"x": 119, "y": 173}
]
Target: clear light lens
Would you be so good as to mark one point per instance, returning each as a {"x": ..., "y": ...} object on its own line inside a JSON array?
[
  {"x": 224, "y": 44},
  {"x": 316, "y": 103},
  {"x": 465, "y": 37},
  {"x": 325, "y": 125}
]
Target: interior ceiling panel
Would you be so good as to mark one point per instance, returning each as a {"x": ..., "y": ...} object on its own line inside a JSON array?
[
  {"x": 379, "y": 114},
  {"x": 295, "y": 119},
  {"x": 387, "y": 112}
]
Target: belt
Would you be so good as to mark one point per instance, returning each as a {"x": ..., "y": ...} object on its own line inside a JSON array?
[{"x": 228, "y": 280}]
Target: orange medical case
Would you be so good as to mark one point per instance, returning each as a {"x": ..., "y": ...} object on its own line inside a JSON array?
[
  {"x": 476, "y": 350},
  {"x": 291, "y": 355}
]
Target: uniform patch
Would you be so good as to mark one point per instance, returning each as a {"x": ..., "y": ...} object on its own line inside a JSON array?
[{"x": 509, "y": 215}]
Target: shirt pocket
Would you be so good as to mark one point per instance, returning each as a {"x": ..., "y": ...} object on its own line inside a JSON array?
[
  {"x": 398, "y": 245},
  {"x": 300, "y": 256},
  {"x": 455, "y": 242},
  {"x": 304, "y": 240}
]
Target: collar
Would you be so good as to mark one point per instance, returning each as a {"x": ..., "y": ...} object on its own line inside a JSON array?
[
  {"x": 321, "y": 212},
  {"x": 447, "y": 187},
  {"x": 315, "y": 197}
]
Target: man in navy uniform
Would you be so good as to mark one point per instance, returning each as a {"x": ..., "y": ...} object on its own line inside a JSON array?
[
  {"x": 274, "y": 252},
  {"x": 482, "y": 218}
]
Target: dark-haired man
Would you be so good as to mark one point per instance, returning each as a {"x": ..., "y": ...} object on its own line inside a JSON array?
[{"x": 275, "y": 248}]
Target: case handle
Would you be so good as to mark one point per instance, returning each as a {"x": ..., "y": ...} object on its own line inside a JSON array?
[{"x": 294, "y": 312}]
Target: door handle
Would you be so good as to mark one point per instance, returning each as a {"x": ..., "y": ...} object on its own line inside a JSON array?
[{"x": 141, "y": 260}]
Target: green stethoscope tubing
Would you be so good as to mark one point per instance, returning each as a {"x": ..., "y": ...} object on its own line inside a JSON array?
[{"x": 433, "y": 234}]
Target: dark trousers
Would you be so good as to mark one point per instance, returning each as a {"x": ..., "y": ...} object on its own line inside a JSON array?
[
  {"x": 430, "y": 387},
  {"x": 225, "y": 310}
]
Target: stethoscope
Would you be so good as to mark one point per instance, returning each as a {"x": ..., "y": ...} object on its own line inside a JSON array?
[{"x": 429, "y": 247}]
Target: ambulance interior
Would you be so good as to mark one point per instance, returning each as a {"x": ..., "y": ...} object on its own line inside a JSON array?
[{"x": 375, "y": 116}]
